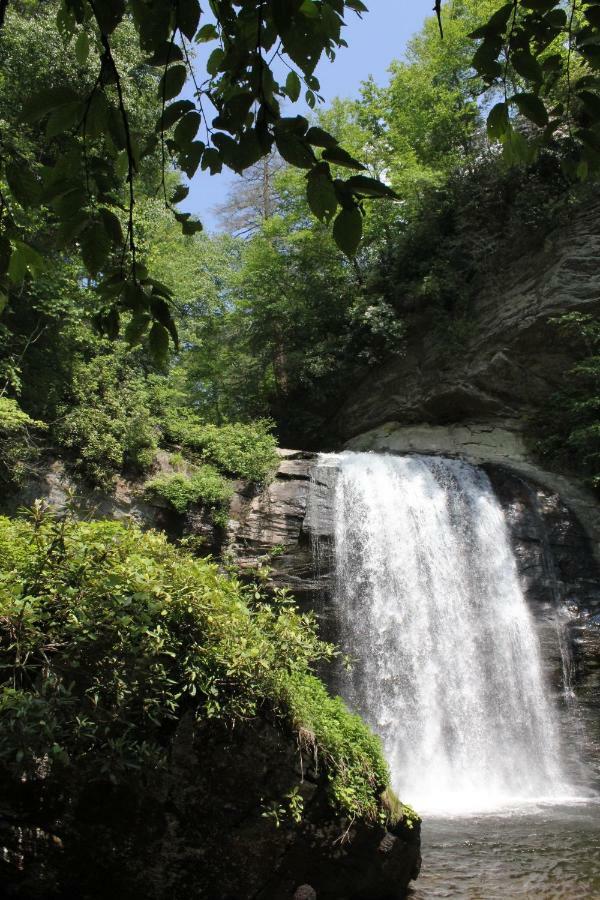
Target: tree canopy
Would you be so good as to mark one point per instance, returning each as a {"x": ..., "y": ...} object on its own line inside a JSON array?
[{"x": 96, "y": 139}]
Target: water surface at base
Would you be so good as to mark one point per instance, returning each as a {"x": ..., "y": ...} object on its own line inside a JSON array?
[{"x": 547, "y": 854}]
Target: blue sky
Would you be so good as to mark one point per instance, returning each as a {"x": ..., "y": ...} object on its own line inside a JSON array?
[{"x": 374, "y": 41}]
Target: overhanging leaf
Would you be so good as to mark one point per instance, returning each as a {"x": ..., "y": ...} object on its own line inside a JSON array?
[
  {"x": 320, "y": 194},
  {"x": 530, "y": 106},
  {"x": 347, "y": 230},
  {"x": 341, "y": 157},
  {"x": 172, "y": 82},
  {"x": 498, "y": 121},
  {"x": 370, "y": 187},
  {"x": 158, "y": 341}
]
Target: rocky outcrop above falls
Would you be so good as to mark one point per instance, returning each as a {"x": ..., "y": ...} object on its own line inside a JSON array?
[
  {"x": 510, "y": 357},
  {"x": 473, "y": 398}
]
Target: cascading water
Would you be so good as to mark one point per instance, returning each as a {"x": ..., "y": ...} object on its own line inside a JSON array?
[{"x": 447, "y": 664}]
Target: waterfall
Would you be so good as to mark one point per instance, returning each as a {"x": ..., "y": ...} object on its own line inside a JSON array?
[{"x": 446, "y": 662}]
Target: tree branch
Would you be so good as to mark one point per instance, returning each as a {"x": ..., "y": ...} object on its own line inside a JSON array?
[
  {"x": 3, "y": 8},
  {"x": 128, "y": 140},
  {"x": 438, "y": 11}
]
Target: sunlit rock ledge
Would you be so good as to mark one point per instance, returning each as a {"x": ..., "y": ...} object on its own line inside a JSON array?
[{"x": 481, "y": 443}]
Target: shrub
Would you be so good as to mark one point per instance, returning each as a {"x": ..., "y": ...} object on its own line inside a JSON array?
[
  {"x": 204, "y": 486},
  {"x": 108, "y": 635},
  {"x": 17, "y": 450},
  {"x": 242, "y": 450},
  {"x": 106, "y": 422}
]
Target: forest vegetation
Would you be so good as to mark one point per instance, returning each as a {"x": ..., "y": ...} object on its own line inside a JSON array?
[{"x": 126, "y": 330}]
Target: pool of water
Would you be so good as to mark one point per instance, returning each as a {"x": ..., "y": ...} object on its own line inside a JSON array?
[{"x": 546, "y": 853}]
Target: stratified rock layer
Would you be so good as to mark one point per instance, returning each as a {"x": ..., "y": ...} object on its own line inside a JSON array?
[{"x": 511, "y": 358}]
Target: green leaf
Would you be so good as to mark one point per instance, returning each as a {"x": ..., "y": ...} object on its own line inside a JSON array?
[
  {"x": 173, "y": 113},
  {"x": 214, "y": 61},
  {"x": 82, "y": 48},
  {"x": 295, "y": 150},
  {"x": 45, "y": 101},
  {"x": 188, "y": 17},
  {"x": 341, "y": 157},
  {"x": 187, "y": 129},
  {"x": 22, "y": 183},
  {"x": 111, "y": 323},
  {"x": 166, "y": 54},
  {"x": 309, "y": 9},
  {"x": 172, "y": 82},
  {"x": 95, "y": 246},
  {"x": 498, "y": 122},
  {"x": 591, "y": 103},
  {"x": 137, "y": 327},
  {"x": 485, "y": 60},
  {"x": 65, "y": 118},
  {"x": 189, "y": 157},
  {"x": 318, "y": 137},
  {"x": 211, "y": 159},
  {"x": 320, "y": 193},
  {"x": 527, "y": 65},
  {"x": 530, "y": 106},
  {"x": 293, "y": 86},
  {"x": 496, "y": 25},
  {"x": 188, "y": 225},
  {"x": 109, "y": 14},
  {"x": 370, "y": 187},
  {"x": 179, "y": 194},
  {"x": 347, "y": 230},
  {"x": 158, "y": 340},
  {"x": 207, "y": 33},
  {"x": 23, "y": 259},
  {"x": 112, "y": 226},
  {"x": 96, "y": 119}
]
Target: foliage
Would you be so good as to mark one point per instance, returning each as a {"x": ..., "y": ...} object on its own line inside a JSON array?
[
  {"x": 104, "y": 420},
  {"x": 567, "y": 430},
  {"x": 357, "y": 770},
  {"x": 243, "y": 450},
  {"x": 109, "y": 635},
  {"x": 96, "y": 145},
  {"x": 542, "y": 59},
  {"x": 204, "y": 485},
  {"x": 17, "y": 449}
]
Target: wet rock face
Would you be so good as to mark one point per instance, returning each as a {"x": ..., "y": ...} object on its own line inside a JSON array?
[
  {"x": 561, "y": 581},
  {"x": 268, "y": 526}
]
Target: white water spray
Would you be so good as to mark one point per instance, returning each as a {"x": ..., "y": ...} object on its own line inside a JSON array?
[{"x": 447, "y": 663}]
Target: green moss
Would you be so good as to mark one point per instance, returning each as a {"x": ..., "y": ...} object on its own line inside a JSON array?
[
  {"x": 205, "y": 486},
  {"x": 352, "y": 755},
  {"x": 394, "y": 811}
]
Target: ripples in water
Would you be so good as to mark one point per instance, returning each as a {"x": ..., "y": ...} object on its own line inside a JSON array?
[{"x": 550, "y": 854}]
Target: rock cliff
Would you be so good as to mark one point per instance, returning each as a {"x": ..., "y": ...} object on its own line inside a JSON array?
[{"x": 474, "y": 399}]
